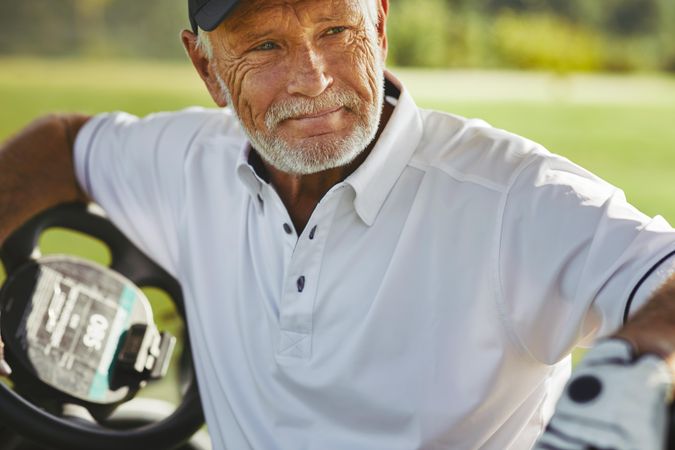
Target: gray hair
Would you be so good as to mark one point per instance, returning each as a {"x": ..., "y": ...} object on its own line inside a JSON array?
[
  {"x": 204, "y": 44},
  {"x": 374, "y": 11}
]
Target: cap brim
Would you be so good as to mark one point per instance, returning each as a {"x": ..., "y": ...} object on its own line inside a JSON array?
[{"x": 213, "y": 12}]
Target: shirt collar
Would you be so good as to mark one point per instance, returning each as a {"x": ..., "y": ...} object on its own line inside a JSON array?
[
  {"x": 246, "y": 173},
  {"x": 375, "y": 177}
]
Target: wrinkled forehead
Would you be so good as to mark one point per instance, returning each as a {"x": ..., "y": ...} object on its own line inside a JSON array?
[{"x": 251, "y": 13}]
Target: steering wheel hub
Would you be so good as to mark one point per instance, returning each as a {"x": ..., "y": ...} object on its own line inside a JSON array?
[{"x": 67, "y": 319}]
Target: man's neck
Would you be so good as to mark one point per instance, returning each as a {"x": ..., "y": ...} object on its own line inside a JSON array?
[{"x": 301, "y": 193}]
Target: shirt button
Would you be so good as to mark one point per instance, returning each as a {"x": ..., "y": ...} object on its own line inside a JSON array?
[
  {"x": 312, "y": 232},
  {"x": 301, "y": 283},
  {"x": 287, "y": 228}
]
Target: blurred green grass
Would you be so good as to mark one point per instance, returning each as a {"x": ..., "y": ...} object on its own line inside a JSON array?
[
  {"x": 631, "y": 146},
  {"x": 620, "y": 127}
]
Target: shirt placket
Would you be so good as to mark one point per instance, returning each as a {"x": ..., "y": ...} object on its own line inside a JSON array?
[{"x": 301, "y": 280}]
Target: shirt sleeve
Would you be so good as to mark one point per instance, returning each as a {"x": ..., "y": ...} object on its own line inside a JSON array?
[
  {"x": 572, "y": 250},
  {"x": 133, "y": 168},
  {"x": 654, "y": 279}
]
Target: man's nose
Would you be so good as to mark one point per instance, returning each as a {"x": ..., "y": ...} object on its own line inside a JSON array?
[{"x": 309, "y": 75}]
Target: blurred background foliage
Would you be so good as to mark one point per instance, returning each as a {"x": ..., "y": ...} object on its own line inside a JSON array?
[{"x": 557, "y": 35}]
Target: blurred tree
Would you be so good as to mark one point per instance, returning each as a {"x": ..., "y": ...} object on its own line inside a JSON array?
[
  {"x": 629, "y": 17},
  {"x": 148, "y": 28},
  {"x": 665, "y": 32},
  {"x": 631, "y": 34},
  {"x": 546, "y": 41},
  {"x": 37, "y": 27},
  {"x": 90, "y": 23},
  {"x": 92, "y": 27},
  {"x": 418, "y": 33}
]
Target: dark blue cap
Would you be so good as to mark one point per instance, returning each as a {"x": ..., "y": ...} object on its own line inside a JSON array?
[{"x": 207, "y": 14}]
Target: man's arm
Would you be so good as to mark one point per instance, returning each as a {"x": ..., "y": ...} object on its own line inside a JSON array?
[
  {"x": 37, "y": 172},
  {"x": 652, "y": 328},
  {"x": 617, "y": 395}
]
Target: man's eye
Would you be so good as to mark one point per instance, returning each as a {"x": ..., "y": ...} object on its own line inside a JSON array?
[
  {"x": 269, "y": 45},
  {"x": 336, "y": 30}
]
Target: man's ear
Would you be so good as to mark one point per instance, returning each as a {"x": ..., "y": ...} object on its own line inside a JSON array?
[
  {"x": 205, "y": 67},
  {"x": 382, "y": 12}
]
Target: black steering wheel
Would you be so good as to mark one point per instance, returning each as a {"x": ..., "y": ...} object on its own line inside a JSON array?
[{"x": 46, "y": 427}]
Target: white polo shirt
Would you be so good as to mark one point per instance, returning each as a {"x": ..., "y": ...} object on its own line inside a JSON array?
[{"x": 431, "y": 301}]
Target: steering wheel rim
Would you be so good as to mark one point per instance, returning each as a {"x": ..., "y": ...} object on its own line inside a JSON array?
[{"x": 127, "y": 259}]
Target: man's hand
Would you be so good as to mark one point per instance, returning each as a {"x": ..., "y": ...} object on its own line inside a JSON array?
[
  {"x": 613, "y": 400},
  {"x": 652, "y": 328}
]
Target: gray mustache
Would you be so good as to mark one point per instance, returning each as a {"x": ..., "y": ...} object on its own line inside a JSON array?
[{"x": 290, "y": 109}]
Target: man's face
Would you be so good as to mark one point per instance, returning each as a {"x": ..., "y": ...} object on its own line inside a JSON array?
[{"x": 305, "y": 78}]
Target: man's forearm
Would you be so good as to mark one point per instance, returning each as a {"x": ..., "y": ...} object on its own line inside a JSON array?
[
  {"x": 652, "y": 328},
  {"x": 617, "y": 396},
  {"x": 36, "y": 170}
]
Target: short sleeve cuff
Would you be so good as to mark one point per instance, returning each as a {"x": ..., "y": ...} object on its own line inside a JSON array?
[{"x": 651, "y": 281}]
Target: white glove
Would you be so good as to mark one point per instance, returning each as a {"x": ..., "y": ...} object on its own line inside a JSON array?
[{"x": 612, "y": 401}]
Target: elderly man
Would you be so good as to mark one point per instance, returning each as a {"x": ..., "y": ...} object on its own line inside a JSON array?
[{"x": 359, "y": 273}]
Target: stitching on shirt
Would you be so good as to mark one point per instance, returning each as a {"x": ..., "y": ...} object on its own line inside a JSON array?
[
  {"x": 457, "y": 175},
  {"x": 499, "y": 297},
  {"x": 293, "y": 342},
  {"x": 464, "y": 177}
]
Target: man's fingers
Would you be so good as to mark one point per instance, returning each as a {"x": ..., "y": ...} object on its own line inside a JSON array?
[{"x": 5, "y": 370}]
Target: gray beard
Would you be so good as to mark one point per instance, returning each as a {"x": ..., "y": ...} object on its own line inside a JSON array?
[{"x": 313, "y": 157}]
